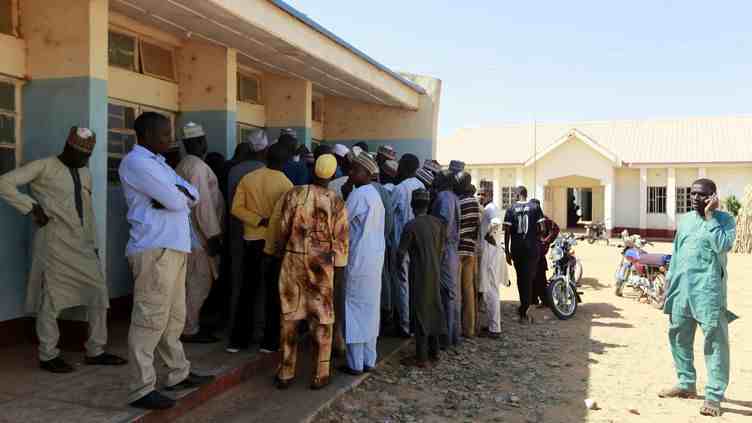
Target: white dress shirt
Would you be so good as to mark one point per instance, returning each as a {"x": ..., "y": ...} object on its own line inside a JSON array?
[{"x": 146, "y": 176}]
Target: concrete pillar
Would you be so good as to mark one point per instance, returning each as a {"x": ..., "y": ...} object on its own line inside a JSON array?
[
  {"x": 643, "y": 199},
  {"x": 608, "y": 205},
  {"x": 671, "y": 198},
  {"x": 497, "y": 186},
  {"x": 208, "y": 92},
  {"x": 288, "y": 105},
  {"x": 67, "y": 70},
  {"x": 519, "y": 179},
  {"x": 475, "y": 176}
]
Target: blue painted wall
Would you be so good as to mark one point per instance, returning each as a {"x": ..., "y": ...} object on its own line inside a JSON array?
[
  {"x": 50, "y": 108},
  {"x": 220, "y": 127},
  {"x": 421, "y": 148}
]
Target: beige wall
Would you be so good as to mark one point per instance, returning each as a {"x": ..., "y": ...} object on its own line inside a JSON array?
[
  {"x": 627, "y": 211},
  {"x": 13, "y": 53},
  {"x": 288, "y": 101},
  {"x": 142, "y": 89},
  {"x": 251, "y": 114},
  {"x": 207, "y": 75},
  {"x": 731, "y": 180}
]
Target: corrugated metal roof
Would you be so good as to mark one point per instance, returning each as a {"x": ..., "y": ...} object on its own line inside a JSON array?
[{"x": 652, "y": 141}]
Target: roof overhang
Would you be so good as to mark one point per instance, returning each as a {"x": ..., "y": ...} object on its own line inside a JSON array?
[
  {"x": 274, "y": 37},
  {"x": 577, "y": 135}
]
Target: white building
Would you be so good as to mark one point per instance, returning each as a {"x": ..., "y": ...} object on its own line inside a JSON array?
[{"x": 631, "y": 175}]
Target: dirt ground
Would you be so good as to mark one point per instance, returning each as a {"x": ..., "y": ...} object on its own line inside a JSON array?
[{"x": 615, "y": 352}]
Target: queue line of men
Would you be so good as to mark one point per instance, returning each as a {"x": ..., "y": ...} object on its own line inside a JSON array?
[{"x": 343, "y": 240}]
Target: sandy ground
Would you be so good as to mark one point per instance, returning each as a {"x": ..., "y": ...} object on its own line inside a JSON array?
[{"x": 615, "y": 351}]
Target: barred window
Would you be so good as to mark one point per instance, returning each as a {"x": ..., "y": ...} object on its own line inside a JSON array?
[
  {"x": 132, "y": 53},
  {"x": 507, "y": 197},
  {"x": 657, "y": 200},
  {"x": 683, "y": 201},
  {"x": 122, "y": 51},
  {"x": 317, "y": 110},
  {"x": 8, "y": 125}
]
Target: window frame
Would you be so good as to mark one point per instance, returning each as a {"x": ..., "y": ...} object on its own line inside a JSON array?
[
  {"x": 317, "y": 101},
  {"x": 250, "y": 75},
  {"x": 506, "y": 192},
  {"x": 14, "y": 24},
  {"x": 138, "y": 110},
  {"x": 683, "y": 201},
  {"x": 657, "y": 203},
  {"x": 138, "y": 59},
  {"x": 17, "y": 116}
]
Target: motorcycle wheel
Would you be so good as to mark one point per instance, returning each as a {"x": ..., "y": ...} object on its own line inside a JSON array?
[
  {"x": 659, "y": 291},
  {"x": 562, "y": 298},
  {"x": 619, "y": 287},
  {"x": 577, "y": 271}
]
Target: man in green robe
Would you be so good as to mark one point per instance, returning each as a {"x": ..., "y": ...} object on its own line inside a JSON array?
[{"x": 697, "y": 296}]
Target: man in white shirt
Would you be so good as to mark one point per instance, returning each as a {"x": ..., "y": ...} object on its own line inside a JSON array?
[{"x": 159, "y": 203}]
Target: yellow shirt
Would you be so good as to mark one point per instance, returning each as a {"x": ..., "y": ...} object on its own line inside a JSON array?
[{"x": 255, "y": 198}]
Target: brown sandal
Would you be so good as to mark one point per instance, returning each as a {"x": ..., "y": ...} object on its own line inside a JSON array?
[
  {"x": 711, "y": 409},
  {"x": 677, "y": 392}
]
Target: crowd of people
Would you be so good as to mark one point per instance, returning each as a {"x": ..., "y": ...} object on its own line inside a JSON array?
[{"x": 340, "y": 242}]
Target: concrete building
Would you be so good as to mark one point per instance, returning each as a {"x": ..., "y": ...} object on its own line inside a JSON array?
[
  {"x": 632, "y": 175},
  {"x": 230, "y": 65}
]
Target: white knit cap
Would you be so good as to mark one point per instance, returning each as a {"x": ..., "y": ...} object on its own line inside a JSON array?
[
  {"x": 341, "y": 150},
  {"x": 193, "y": 130},
  {"x": 257, "y": 139}
]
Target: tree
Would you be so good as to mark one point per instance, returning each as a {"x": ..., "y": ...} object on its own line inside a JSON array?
[
  {"x": 732, "y": 205},
  {"x": 743, "y": 243}
]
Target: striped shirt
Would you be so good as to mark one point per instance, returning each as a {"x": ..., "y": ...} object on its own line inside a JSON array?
[{"x": 469, "y": 225}]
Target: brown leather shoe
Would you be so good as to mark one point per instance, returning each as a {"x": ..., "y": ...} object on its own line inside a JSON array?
[{"x": 320, "y": 383}]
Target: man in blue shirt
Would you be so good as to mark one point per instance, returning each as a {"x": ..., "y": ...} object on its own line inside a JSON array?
[{"x": 159, "y": 204}]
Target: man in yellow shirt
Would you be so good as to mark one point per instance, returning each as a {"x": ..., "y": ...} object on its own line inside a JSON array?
[{"x": 253, "y": 205}]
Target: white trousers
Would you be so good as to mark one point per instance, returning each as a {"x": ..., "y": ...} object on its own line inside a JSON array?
[{"x": 493, "y": 308}]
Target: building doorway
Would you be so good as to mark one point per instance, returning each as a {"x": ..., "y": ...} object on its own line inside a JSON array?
[{"x": 579, "y": 206}]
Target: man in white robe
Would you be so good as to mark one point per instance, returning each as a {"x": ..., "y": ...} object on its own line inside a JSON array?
[
  {"x": 65, "y": 269},
  {"x": 493, "y": 265},
  {"x": 206, "y": 226},
  {"x": 365, "y": 212}
]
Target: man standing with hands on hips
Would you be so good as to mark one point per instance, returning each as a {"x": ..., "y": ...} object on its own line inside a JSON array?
[
  {"x": 697, "y": 295},
  {"x": 159, "y": 204}
]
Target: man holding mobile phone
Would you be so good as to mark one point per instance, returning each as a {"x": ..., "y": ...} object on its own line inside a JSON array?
[{"x": 697, "y": 295}]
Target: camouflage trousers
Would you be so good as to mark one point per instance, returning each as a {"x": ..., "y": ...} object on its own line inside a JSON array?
[{"x": 321, "y": 336}]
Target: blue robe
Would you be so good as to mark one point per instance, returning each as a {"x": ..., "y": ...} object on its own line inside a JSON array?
[{"x": 447, "y": 208}]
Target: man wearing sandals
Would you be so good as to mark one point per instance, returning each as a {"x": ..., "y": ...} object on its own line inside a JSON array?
[{"x": 697, "y": 296}]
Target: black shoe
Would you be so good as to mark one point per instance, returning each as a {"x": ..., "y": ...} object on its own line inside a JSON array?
[
  {"x": 349, "y": 371},
  {"x": 56, "y": 365},
  {"x": 367, "y": 369},
  {"x": 283, "y": 384},
  {"x": 105, "y": 359},
  {"x": 192, "y": 381},
  {"x": 399, "y": 333},
  {"x": 154, "y": 401},
  {"x": 199, "y": 338}
]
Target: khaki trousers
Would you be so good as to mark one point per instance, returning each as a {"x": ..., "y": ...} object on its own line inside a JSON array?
[
  {"x": 468, "y": 266},
  {"x": 322, "y": 349},
  {"x": 158, "y": 319},
  {"x": 49, "y": 333},
  {"x": 197, "y": 286}
]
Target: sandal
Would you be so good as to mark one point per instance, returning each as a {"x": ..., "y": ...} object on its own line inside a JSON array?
[
  {"x": 677, "y": 392},
  {"x": 711, "y": 409}
]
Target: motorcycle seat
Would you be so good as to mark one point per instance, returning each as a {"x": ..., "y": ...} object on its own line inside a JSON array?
[{"x": 652, "y": 259}]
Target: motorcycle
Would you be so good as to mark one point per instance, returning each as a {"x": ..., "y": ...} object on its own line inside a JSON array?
[
  {"x": 641, "y": 271},
  {"x": 595, "y": 232},
  {"x": 561, "y": 293}
]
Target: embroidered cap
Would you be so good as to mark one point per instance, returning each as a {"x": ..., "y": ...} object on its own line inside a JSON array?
[
  {"x": 82, "y": 139},
  {"x": 258, "y": 141},
  {"x": 456, "y": 166},
  {"x": 387, "y": 152},
  {"x": 193, "y": 130},
  {"x": 425, "y": 176},
  {"x": 364, "y": 159},
  {"x": 390, "y": 168}
]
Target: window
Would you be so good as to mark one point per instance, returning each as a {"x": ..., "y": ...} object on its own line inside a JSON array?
[
  {"x": 249, "y": 89},
  {"x": 657, "y": 200},
  {"x": 157, "y": 61},
  {"x": 8, "y": 17},
  {"x": 137, "y": 55},
  {"x": 8, "y": 125},
  {"x": 507, "y": 197},
  {"x": 317, "y": 110},
  {"x": 244, "y": 131},
  {"x": 121, "y": 138},
  {"x": 683, "y": 202}
]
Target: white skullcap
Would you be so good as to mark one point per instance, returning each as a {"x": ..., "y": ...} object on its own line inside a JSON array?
[
  {"x": 257, "y": 139},
  {"x": 341, "y": 150},
  {"x": 84, "y": 133},
  {"x": 193, "y": 130}
]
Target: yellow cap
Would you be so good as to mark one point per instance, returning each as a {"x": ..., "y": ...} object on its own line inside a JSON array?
[{"x": 326, "y": 165}]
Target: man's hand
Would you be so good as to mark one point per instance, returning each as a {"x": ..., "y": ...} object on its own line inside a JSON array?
[
  {"x": 38, "y": 216},
  {"x": 185, "y": 192},
  {"x": 214, "y": 245},
  {"x": 264, "y": 222},
  {"x": 712, "y": 205},
  {"x": 157, "y": 205},
  {"x": 490, "y": 239}
]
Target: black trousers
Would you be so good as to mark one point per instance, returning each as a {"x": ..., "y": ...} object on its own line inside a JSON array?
[
  {"x": 539, "y": 284},
  {"x": 242, "y": 328},
  {"x": 273, "y": 308},
  {"x": 526, "y": 264},
  {"x": 426, "y": 346}
]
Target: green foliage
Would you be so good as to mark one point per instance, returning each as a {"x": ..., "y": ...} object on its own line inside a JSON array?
[{"x": 733, "y": 205}]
